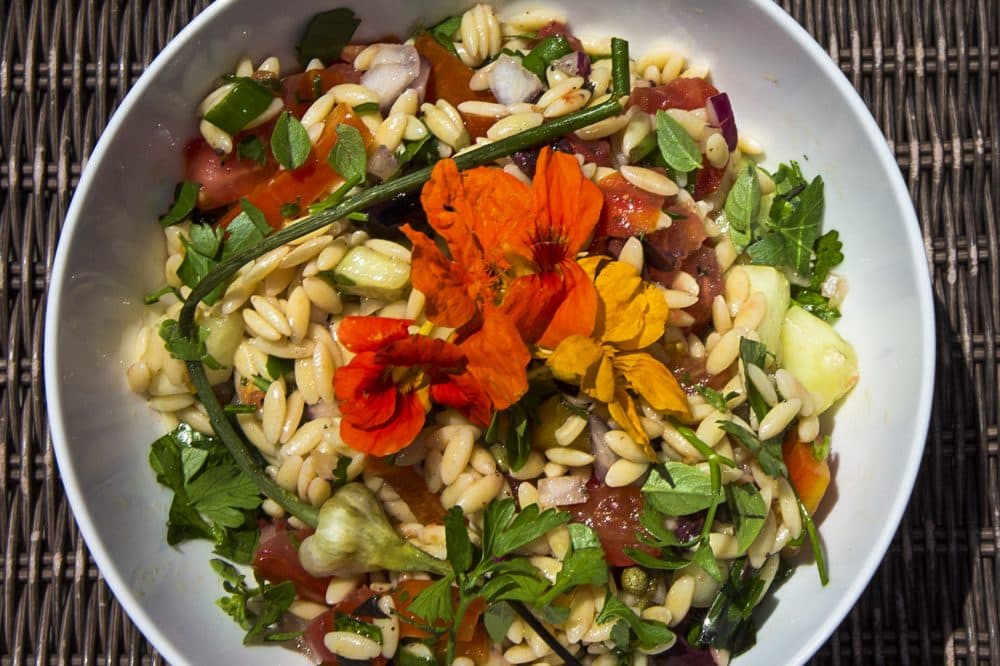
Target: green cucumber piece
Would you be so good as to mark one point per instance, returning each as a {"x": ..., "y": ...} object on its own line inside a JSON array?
[
  {"x": 824, "y": 362},
  {"x": 773, "y": 286},
  {"x": 366, "y": 272}
]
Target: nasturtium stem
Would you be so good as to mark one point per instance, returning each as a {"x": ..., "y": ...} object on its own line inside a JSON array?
[{"x": 246, "y": 459}]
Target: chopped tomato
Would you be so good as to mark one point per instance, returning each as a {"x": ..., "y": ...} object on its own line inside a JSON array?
[
  {"x": 628, "y": 210},
  {"x": 597, "y": 151},
  {"x": 691, "y": 373},
  {"x": 667, "y": 248},
  {"x": 708, "y": 180},
  {"x": 323, "y": 624},
  {"x": 449, "y": 80},
  {"x": 310, "y": 181},
  {"x": 681, "y": 93},
  {"x": 476, "y": 648},
  {"x": 225, "y": 178},
  {"x": 410, "y": 487},
  {"x": 809, "y": 476},
  {"x": 703, "y": 266},
  {"x": 409, "y": 627},
  {"x": 277, "y": 560},
  {"x": 556, "y": 29},
  {"x": 304, "y": 88},
  {"x": 614, "y": 514}
]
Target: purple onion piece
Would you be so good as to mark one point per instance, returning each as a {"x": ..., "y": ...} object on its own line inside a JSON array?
[
  {"x": 526, "y": 161},
  {"x": 582, "y": 64},
  {"x": 720, "y": 114},
  {"x": 604, "y": 457},
  {"x": 383, "y": 164},
  {"x": 420, "y": 83},
  {"x": 575, "y": 64}
]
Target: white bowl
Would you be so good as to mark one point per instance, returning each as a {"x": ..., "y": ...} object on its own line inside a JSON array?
[{"x": 785, "y": 91}]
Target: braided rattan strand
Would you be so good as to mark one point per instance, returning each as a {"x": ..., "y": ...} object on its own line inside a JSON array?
[{"x": 930, "y": 73}]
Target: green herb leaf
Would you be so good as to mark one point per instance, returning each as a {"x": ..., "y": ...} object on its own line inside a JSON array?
[
  {"x": 366, "y": 107},
  {"x": 582, "y": 536},
  {"x": 829, "y": 255},
  {"x": 743, "y": 206},
  {"x": 279, "y": 367},
  {"x": 347, "y": 157},
  {"x": 814, "y": 542},
  {"x": 326, "y": 35},
  {"x": 251, "y": 148},
  {"x": 340, "y": 471},
  {"x": 247, "y": 229},
  {"x": 814, "y": 303},
  {"x": 679, "y": 150},
  {"x": 457, "y": 540},
  {"x": 185, "y": 198},
  {"x": 240, "y": 409},
  {"x": 344, "y": 622},
  {"x": 422, "y": 151},
  {"x": 498, "y": 618},
  {"x": 728, "y": 624},
  {"x": 820, "y": 449},
  {"x": 705, "y": 559},
  {"x": 525, "y": 528},
  {"x": 668, "y": 560},
  {"x": 749, "y": 512},
  {"x": 585, "y": 566},
  {"x": 185, "y": 349},
  {"x": 244, "y": 102},
  {"x": 291, "y": 210},
  {"x": 547, "y": 50},
  {"x": 290, "y": 142},
  {"x": 434, "y": 604},
  {"x": 715, "y": 398},
  {"x": 255, "y": 609},
  {"x": 155, "y": 296},
  {"x": 768, "y": 251},
  {"x": 444, "y": 31},
  {"x": 677, "y": 489},
  {"x": 754, "y": 353},
  {"x": 768, "y": 452},
  {"x": 649, "y": 633}
]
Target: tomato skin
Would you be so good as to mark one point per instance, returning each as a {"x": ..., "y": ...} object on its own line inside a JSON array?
[
  {"x": 628, "y": 210},
  {"x": 408, "y": 589},
  {"x": 681, "y": 93},
  {"x": 613, "y": 513},
  {"x": 449, "y": 80},
  {"x": 277, "y": 560},
  {"x": 323, "y": 624},
  {"x": 809, "y": 476},
  {"x": 708, "y": 180},
  {"x": 559, "y": 29},
  {"x": 225, "y": 178},
  {"x": 411, "y": 488}
]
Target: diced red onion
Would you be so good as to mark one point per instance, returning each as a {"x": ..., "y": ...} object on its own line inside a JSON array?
[
  {"x": 420, "y": 83},
  {"x": 576, "y": 64},
  {"x": 720, "y": 114},
  {"x": 394, "y": 68},
  {"x": 511, "y": 83},
  {"x": 526, "y": 160},
  {"x": 604, "y": 457},
  {"x": 383, "y": 164},
  {"x": 562, "y": 491}
]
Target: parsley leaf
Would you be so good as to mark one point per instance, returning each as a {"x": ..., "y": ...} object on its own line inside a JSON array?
[
  {"x": 434, "y": 603},
  {"x": 255, "y": 609},
  {"x": 326, "y": 35},
  {"x": 290, "y": 142},
  {"x": 186, "y": 349},
  {"x": 679, "y": 150},
  {"x": 185, "y": 198},
  {"x": 155, "y": 296},
  {"x": 213, "y": 499},
  {"x": 829, "y": 255},
  {"x": 815, "y": 303},
  {"x": 649, "y": 633}
]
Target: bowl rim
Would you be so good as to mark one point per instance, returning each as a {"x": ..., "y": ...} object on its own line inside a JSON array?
[{"x": 907, "y": 472}]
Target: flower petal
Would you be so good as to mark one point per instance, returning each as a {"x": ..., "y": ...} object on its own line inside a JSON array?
[
  {"x": 442, "y": 281},
  {"x": 463, "y": 393},
  {"x": 577, "y": 313},
  {"x": 573, "y": 358},
  {"x": 532, "y": 301},
  {"x": 620, "y": 316},
  {"x": 501, "y": 205},
  {"x": 622, "y": 410},
  {"x": 498, "y": 359},
  {"x": 364, "y": 334},
  {"x": 440, "y": 355},
  {"x": 366, "y": 398},
  {"x": 394, "y": 435},
  {"x": 599, "y": 382},
  {"x": 568, "y": 204},
  {"x": 653, "y": 381},
  {"x": 449, "y": 212}
]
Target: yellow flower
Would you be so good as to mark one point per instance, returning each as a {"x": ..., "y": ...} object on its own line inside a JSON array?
[{"x": 631, "y": 316}]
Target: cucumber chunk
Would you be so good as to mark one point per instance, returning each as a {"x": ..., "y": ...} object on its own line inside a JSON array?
[
  {"x": 773, "y": 285},
  {"x": 365, "y": 272},
  {"x": 823, "y": 361},
  {"x": 224, "y": 335}
]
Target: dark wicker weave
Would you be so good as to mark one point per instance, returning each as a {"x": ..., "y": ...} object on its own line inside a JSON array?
[{"x": 928, "y": 71}]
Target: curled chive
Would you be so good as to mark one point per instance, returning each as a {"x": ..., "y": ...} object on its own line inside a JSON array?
[{"x": 246, "y": 459}]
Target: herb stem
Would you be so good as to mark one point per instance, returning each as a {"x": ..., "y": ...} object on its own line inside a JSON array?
[{"x": 245, "y": 458}]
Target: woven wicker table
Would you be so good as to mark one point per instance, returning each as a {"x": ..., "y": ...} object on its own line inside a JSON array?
[{"x": 930, "y": 73}]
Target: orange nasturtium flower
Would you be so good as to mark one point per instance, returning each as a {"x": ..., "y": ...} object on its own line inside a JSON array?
[
  {"x": 632, "y": 315},
  {"x": 509, "y": 277},
  {"x": 386, "y": 389}
]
